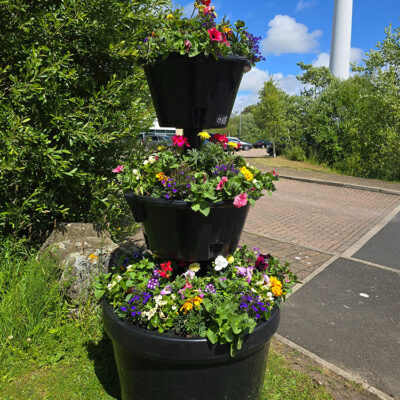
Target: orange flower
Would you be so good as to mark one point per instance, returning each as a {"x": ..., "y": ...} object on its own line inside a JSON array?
[
  {"x": 187, "y": 306},
  {"x": 276, "y": 286}
]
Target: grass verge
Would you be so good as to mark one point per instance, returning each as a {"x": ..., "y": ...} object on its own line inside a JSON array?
[{"x": 281, "y": 162}]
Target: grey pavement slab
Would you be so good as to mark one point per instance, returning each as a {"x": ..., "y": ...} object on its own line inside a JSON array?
[
  {"x": 384, "y": 247},
  {"x": 349, "y": 315}
]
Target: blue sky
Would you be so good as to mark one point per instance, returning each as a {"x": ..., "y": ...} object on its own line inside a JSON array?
[{"x": 300, "y": 30}]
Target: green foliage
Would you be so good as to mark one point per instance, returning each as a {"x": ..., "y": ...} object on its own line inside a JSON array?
[
  {"x": 270, "y": 113},
  {"x": 221, "y": 300},
  {"x": 244, "y": 127},
  {"x": 169, "y": 32},
  {"x": 72, "y": 101},
  {"x": 193, "y": 175}
]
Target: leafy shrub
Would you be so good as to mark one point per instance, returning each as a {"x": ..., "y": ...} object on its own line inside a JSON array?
[
  {"x": 72, "y": 101},
  {"x": 295, "y": 152}
]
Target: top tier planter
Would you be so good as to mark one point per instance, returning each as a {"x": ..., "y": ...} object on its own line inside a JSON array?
[{"x": 195, "y": 92}]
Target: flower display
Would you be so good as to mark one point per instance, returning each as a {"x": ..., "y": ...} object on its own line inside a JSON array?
[
  {"x": 221, "y": 301},
  {"x": 202, "y": 177},
  {"x": 201, "y": 33}
]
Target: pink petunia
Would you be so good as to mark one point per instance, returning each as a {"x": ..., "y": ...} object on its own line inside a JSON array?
[
  {"x": 240, "y": 200},
  {"x": 180, "y": 141},
  {"x": 215, "y": 35},
  {"x": 188, "y": 45},
  {"x": 118, "y": 169},
  {"x": 222, "y": 182}
]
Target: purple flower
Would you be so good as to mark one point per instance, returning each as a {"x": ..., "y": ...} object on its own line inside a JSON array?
[
  {"x": 167, "y": 290},
  {"x": 153, "y": 283},
  {"x": 210, "y": 288},
  {"x": 124, "y": 309}
]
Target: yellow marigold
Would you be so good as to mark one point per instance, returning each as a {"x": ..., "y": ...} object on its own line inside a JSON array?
[
  {"x": 276, "y": 286},
  {"x": 170, "y": 16},
  {"x": 197, "y": 301},
  {"x": 226, "y": 29},
  {"x": 161, "y": 176},
  {"x": 187, "y": 306},
  {"x": 233, "y": 145},
  {"x": 249, "y": 176},
  {"x": 204, "y": 135}
]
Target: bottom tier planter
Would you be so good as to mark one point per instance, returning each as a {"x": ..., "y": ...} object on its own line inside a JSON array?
[{"x": 166, "y": 366}]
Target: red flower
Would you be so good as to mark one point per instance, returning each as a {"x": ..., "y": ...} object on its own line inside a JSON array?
[
  {"x": 215, "y": 35},
  {"x": 262, "y": 262},
  {"x": 218, "y": 138},
  {"x": 180, "y": 141},
  {"x": 224, "y": 41},
  {"x": 165, "y": 268},
  {"x": 206, "y": 2}
]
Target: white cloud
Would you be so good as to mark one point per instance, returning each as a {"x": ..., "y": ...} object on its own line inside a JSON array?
[
  {"x": 285, "y": 35},
  {"x": 356, "y": 55},
  {"x": 301, "y": 5},
  {"x": 253, "y": 81},
  {"x": 322, "y": 59}
]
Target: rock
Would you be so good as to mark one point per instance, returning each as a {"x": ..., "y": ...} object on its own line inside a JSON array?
[{"x": 83, "y": 252}]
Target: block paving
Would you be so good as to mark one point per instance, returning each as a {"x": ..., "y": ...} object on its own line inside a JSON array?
[{"x": 322, "y": 217}]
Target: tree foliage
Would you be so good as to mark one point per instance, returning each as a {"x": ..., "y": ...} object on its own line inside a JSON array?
[{"x": 71, "y": 99}]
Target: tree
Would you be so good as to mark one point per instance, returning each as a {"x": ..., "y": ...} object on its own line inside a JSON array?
[
  {"x": 270, "y": 112},
  {"x": 316, "y": 79},
  {"x": 71, "y": 99}
]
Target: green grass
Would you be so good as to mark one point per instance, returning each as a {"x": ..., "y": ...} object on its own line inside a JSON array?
[
  {"x": 68, "y": 356},
  {"x": 283, "y": 162}
]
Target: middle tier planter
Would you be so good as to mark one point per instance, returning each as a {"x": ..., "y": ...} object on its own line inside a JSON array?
[{"x": 174, "y": 231}]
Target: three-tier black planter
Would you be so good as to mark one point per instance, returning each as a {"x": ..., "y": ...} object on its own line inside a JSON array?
[
  {"x": 193, "y": 94},
  {"x": 154, "y": 366}
]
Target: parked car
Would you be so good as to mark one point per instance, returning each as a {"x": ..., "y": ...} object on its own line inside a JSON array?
[
  {"x": 154, "y": 141},
  {"x": 242, "y": 144},
  {"x": 262, "y": 144}
]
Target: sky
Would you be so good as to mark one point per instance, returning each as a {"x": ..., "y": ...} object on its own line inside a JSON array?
[{"x": 300, "y": 30}]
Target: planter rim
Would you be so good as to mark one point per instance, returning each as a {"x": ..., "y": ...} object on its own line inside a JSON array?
[
  {"x": 202, "y": 56},
  {"x": 175, "y": 203},
  {"x": 169, "y": 346}
]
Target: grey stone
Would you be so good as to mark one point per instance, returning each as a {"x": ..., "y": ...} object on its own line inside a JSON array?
[{"x": 83, "y": 252}]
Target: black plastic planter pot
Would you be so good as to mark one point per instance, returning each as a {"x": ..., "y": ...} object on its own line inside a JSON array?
[
  {"x": 154, "y": 366},
  {"x": 173, "y": 230},
  {"x": 197, "y": 92}
]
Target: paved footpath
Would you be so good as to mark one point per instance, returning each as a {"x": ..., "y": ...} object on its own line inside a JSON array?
[{"x": 342, "y": 238}]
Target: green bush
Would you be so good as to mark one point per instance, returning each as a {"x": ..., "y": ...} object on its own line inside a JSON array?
[
  {"x": 295, "y": 152},
  {"x": 72, "y": 101}
]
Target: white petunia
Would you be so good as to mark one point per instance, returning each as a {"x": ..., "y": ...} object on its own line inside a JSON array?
[
  {"x": 220, "y": 263},
  {"x": 111, "y": 285}
]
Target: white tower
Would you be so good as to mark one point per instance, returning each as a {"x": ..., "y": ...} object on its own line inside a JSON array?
[{"x": 339, "y": 62}]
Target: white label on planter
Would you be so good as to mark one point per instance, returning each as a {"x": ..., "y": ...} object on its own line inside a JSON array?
[{"x": 222, "y": 119}]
